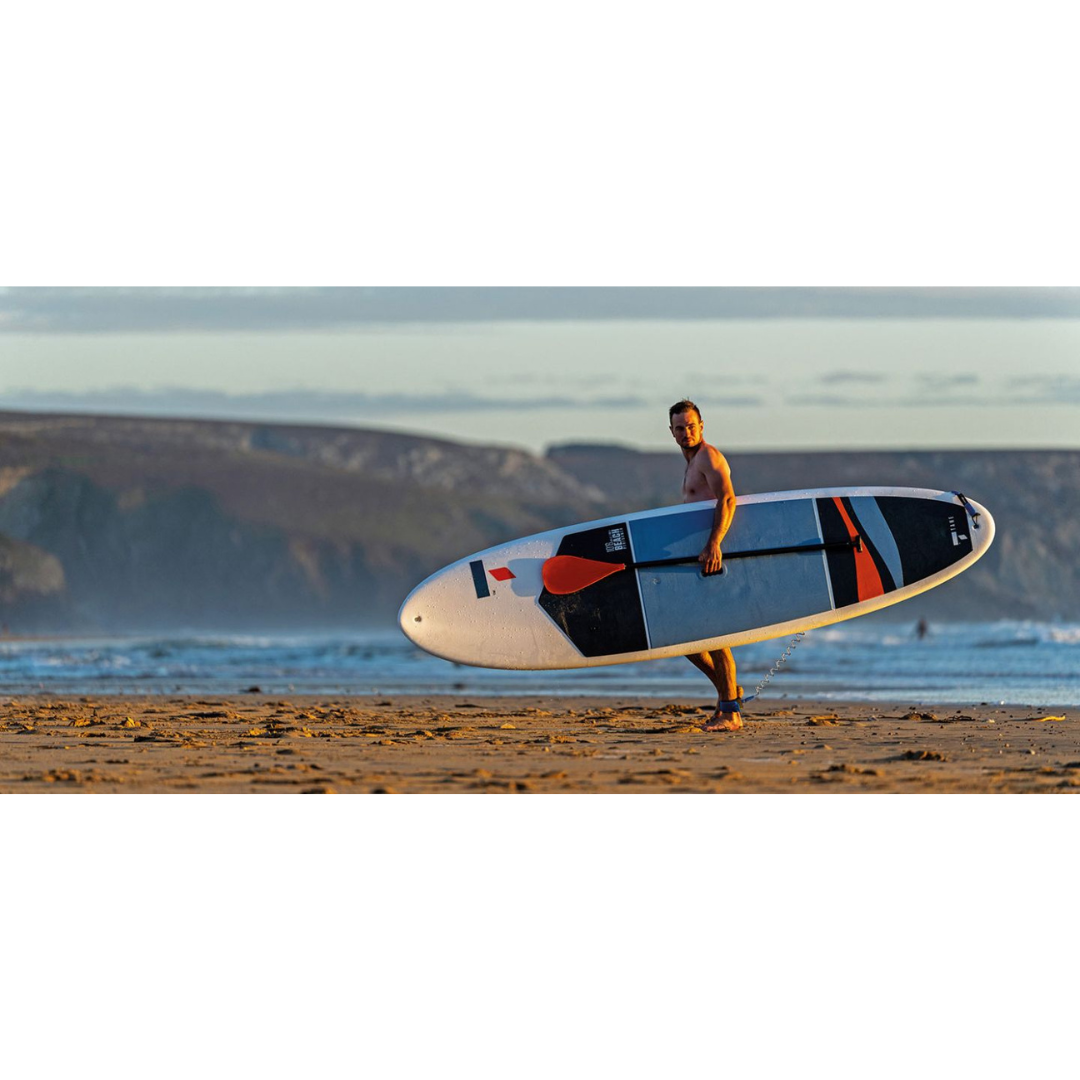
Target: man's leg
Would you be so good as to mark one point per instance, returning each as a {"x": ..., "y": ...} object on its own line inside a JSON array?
[{"x": 719, "y": 668}]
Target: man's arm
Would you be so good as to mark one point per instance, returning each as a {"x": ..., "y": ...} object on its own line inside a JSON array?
[{"x": 718, "y": 477}]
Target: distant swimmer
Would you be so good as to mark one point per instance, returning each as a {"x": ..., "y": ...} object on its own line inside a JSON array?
[
  {"x": 922, "y": 629},
  {"x": 707, "y": 476}
]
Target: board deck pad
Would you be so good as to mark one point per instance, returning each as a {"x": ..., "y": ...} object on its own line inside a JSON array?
[{"x": 493, "y": 610}]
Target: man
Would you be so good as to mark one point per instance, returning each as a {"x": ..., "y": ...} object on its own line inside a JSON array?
[{"x": 707, "y": 476}]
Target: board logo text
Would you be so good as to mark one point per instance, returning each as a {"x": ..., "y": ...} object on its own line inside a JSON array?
[{"x": 616, "y": 540}]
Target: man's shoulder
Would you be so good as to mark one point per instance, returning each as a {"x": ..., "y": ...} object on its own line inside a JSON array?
[{"x": 712, "y": 458}]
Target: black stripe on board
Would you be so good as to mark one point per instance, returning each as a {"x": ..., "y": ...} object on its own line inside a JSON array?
[
  {"x": 930, "y": 534},
  {"x": 479, "y": 579}
]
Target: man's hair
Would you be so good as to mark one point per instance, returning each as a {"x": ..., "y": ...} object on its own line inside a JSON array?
[{"x": 682, "y": 406}]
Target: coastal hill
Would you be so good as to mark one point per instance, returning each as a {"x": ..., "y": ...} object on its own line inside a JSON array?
[
  {"x": 117, "y": 523},
  {"x": 159, "y": 524}
]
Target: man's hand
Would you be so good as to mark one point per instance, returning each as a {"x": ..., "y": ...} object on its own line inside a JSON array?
[{"x": 710, "y": 560}]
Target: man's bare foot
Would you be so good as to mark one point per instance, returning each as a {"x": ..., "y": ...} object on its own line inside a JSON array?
[
  {"x": 726, "y": 717},
  {"x": 726, "y": 721}
]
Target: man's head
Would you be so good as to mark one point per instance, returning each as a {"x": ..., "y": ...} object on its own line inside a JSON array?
[{"x": 685, "y": 423}]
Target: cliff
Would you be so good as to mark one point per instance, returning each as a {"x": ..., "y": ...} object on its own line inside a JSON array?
[{"x": 163, "y": 523}]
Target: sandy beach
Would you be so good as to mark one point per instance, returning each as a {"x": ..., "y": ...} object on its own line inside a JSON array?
[{"x": 255, "y": 743}]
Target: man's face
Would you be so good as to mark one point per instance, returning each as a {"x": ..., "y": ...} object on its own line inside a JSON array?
[{"x": 687, "y": 429}]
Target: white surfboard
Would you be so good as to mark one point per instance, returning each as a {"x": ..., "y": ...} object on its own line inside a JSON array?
[{"x": 793, "y": 560}]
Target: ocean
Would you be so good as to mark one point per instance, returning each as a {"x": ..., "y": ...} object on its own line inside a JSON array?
[{"x": 1007, "y": 662}]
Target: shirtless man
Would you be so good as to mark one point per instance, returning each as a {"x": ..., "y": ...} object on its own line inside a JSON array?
[{"x": 708, "y": 477}]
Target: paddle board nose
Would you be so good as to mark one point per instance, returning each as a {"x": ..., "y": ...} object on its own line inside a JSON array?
[
  {"x": 443, "y": 617},
  {"x": 411, "y": 620},
  {"x": 457, "y": 613},
  {"x": 483, "y": 611}
]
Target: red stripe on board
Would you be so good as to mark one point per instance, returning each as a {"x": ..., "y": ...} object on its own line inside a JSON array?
[{"x": 867, "y": 578}]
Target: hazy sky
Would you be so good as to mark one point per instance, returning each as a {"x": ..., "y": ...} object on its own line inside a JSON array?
[
  {"x": 259, "y": 309},
  {"x": 771, "y": 368}
]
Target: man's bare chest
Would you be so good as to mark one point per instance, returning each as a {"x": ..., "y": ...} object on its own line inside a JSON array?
[{"x": 694, "y": 486}]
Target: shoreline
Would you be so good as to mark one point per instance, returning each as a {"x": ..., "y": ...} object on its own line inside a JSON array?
[
  {"x": 473, "y": 743},
  {"x": 500, "y": 698}
]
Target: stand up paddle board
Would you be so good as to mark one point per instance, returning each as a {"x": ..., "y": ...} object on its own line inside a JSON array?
[{"x": 629, "y": 588}]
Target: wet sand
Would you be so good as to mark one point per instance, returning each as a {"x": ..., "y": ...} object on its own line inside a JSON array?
[{"x": 254, "y": 743}]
